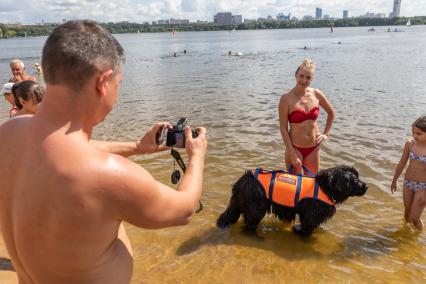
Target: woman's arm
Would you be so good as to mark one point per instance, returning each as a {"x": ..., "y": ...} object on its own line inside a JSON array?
[
  {"x": 328, "y": 107},
  {"x": 283, "y": 116},
  {"x": 401, "y": 165}
]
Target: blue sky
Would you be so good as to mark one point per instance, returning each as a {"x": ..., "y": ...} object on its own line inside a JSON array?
[{"x": 30, "y": 11}]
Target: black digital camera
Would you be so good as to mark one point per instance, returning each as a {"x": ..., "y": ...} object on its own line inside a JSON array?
[{"x": 175, "y": 137}]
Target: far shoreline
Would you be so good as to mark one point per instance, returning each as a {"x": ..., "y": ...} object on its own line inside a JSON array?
[{"x": 22, "y": 31}]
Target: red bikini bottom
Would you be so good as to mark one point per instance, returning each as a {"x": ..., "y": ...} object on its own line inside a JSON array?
[{"x": 305, "y": 151}]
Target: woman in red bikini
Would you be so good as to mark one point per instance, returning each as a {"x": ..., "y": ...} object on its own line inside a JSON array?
[{"x": 299, "y": 110}]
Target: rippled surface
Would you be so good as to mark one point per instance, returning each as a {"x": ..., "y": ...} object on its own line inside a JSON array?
[{"x": 374, "y": 80}]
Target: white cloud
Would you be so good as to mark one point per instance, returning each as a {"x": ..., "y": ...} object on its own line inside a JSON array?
[{"x": 147, "y": 10}]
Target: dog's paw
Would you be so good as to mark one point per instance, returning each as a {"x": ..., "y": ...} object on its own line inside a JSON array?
[
  {"x": 297, "y": 228},
  {"x": 221, "y": 224}
]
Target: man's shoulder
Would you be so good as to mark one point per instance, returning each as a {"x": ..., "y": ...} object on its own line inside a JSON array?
[
  {"x": 114, "y": 170},
  {"x": 13, "y": 125}
]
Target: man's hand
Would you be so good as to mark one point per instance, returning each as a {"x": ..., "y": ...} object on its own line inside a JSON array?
[
  {"x": 16, "y": 78},
  {"x": 195, "y": 147},
  {"x": 148, "y": 143}
]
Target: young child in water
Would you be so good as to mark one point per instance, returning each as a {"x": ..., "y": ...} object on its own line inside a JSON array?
[{"x": 414, "y": 190}]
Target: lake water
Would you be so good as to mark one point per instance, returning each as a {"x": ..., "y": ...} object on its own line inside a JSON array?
[{"x": 375, "y": 80}]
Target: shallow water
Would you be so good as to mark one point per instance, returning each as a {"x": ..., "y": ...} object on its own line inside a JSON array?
[{"x": 374, "y": 80}]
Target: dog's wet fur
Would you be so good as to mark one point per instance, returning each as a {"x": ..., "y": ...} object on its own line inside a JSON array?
[{"x": 249, "y": 199}]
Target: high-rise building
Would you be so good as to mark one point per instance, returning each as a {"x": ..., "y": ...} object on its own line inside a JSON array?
[
  {"x": 396, "y": 9},
  {"x": 237, "y": 19},
  {"x": 282, "y": 17},
  {"x": 345, "y": 14},
  {"x": 223, "y": 19},
  {"x": 318, "y": 14}
]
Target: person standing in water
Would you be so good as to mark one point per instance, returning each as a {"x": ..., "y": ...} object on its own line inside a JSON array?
[
  {"x": 298, "y": 110},
  {"x": 27, "y": 96},
  {"x": 414, "y": 189},
  {"x": 9, "y": 97},
  {"x": 19, "y": 72}
]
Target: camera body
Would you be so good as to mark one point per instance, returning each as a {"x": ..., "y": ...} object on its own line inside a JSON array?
[{"x": 175, "y": 137}]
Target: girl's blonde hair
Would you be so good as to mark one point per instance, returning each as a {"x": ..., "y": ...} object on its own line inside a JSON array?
[{"x": 308, "y": 64}]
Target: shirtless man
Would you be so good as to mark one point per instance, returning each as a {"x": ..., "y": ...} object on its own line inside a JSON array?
[
  {"x": 18, "y": 71},
  {"x": 63, "y": 197}
]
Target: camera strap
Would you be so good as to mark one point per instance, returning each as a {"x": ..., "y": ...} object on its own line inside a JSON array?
[{"x": 178, "y": 159}]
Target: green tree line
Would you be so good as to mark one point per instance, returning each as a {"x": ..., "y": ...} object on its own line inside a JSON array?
[{"x": 8, "y": 31}]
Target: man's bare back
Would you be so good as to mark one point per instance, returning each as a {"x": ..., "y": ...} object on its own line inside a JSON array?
[{"x": 63, "y": 197}]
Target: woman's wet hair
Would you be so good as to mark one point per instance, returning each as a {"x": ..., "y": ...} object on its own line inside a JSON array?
[
  {"x": 307, "y": 63},
  {"x": 420, "y": 123},
  {"x": 27, "y": 90}
]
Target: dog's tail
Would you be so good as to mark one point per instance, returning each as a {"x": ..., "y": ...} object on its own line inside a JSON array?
[{"x": 231, "y": 214}]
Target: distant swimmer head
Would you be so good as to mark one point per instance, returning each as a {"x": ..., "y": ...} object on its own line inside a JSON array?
[
  {"x": 305, "y": 47},
  {"x": 339, "y": 42},
  {"x": 174, "y": 54},
  {"x": 305, "y": 73},
  {"x": 229, "y": 53}
]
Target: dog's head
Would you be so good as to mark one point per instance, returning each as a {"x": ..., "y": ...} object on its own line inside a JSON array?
[{"x": 341, "y": 182}]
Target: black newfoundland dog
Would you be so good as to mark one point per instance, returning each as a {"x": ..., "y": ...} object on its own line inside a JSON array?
[{"x": 314, "y": 199}]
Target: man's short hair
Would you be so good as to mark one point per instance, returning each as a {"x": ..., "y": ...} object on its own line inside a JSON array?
[
  {"x": 17, "y": 61},
  {"x": 77, "y": 50}
]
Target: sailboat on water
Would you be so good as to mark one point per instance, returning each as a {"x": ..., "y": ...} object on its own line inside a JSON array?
[{"x": 408, "y": 23}]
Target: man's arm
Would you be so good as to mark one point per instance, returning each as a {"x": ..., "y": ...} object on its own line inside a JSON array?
[
  {"x": 124, "y": 149},
  {"x": 134, "y": 196},
  {"x": 145, "y": 145}
]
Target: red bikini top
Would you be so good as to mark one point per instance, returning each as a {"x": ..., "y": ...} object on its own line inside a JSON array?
[{"x": 299, "y": 115}]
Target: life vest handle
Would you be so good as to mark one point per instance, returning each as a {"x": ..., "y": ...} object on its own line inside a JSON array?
[{"x": 307, "y": 171}]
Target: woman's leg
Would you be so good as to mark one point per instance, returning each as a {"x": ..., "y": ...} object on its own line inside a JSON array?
[
  {"x": 419, "y": 203},
  {"x": 312, "y": 161},
  {"x": 407, "y": 197}
]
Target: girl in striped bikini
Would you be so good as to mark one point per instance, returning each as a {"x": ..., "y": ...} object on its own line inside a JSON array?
[{"x": 414, "y": 190}]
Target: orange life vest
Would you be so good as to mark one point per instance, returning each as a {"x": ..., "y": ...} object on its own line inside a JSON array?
[{"x": 286, "y": 189}]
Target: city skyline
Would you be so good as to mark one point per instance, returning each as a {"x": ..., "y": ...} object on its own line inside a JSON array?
[{"x": 193, "y": 10}]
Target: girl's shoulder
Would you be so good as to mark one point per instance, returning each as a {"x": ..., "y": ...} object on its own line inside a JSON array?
[
  {"x": 287, "y": 93},
  {"x": 317, "y": 93},
  {"x": 409, "y": 142},
  {"x": 286, "y": 96}
]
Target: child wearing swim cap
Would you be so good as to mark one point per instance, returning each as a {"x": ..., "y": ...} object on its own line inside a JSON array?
[
  {"x": 8, "y": 96},
  {"x": 414, "y": 189}
]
